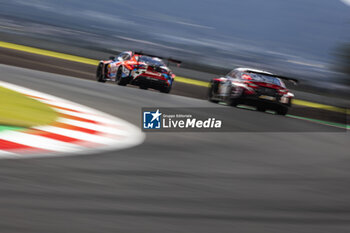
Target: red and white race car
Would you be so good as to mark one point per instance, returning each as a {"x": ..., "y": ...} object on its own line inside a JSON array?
[
  {"x": 258, "y": 88},
  {"x": 137, "y": 68}
]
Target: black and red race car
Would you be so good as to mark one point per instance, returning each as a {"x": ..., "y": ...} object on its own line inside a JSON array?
[
  {"x": 137, "y": 68},
  {"x": 257, "y": 88}
]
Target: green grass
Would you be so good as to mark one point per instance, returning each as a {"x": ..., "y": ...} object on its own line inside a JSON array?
[
  {"x": 19, "y": 110},
  {"x": 5, "y": 128}
]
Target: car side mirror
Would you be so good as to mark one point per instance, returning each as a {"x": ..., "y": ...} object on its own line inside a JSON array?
[{"x": 111, "y": 57}]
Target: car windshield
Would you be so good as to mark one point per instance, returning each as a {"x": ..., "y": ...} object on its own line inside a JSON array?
[
  {"x": 151, "y": 61},
  {"x": 262, "y": 78}
]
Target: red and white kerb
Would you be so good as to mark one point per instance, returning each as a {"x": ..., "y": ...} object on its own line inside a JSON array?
[{"x": 77, "y": 130}]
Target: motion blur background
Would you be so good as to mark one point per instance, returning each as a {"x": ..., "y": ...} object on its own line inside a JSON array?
[{"x": 307, "y": 39}]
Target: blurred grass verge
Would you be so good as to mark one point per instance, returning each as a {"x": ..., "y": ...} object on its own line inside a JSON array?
[{"x": 19, "y": 110}]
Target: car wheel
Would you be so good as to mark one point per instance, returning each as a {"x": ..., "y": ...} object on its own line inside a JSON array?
[
  {"x": 210, "y": 94},
  {"x": 234, "y": 97},
  {"x": 99, "y": 76},
  {"x": 143, "y": 87},
  {"x": 165, "y": 89},
  {"x": 233, "y": 100},
  {"x": 119, "y": 77},
  {"x": 282, "y": 110}
]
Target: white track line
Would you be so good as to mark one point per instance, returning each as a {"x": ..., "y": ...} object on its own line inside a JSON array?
[
  {"x": 76, "y": 134},
  {"x": 96, "y": 127},
  {"x": 39, "y": 142}
]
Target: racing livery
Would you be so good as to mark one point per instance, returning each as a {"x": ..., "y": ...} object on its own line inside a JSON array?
[
  {"x": 257, "y": 88},
  {"x": 137, "y": 68}
]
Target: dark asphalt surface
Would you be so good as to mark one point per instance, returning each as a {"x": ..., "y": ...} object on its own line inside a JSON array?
[{"x": 213, "y": 182}]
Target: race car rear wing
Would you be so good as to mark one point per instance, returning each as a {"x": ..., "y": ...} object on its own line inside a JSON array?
[
  {"x": 292, "y": 80},
  {"x": 289, "y": 79},
  {"x": 178, "y": 62}
]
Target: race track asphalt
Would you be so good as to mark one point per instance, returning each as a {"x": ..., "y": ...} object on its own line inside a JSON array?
[{"x": 175, "y": 182}]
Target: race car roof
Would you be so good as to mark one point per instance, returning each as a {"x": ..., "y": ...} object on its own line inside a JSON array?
[
  {"x": 155, "y": 56},
  {"x": 252, "y": 70},
  {"x": 293, "y": 80}
]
